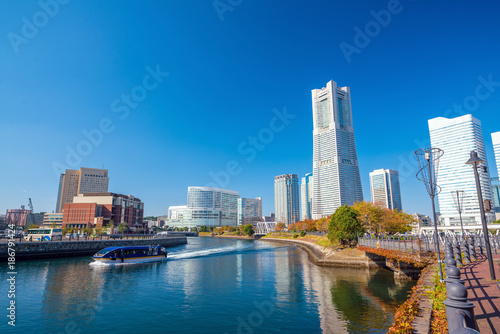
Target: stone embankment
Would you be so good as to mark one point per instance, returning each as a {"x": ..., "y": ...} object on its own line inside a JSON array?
[
  {"x": 325, "y": 256},
  {"x": 55, "y": 249}
]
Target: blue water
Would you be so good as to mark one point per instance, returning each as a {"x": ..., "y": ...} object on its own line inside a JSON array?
[{"x": 208, "y": 286}]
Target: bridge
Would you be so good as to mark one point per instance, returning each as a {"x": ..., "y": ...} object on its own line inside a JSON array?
[{"x": 263, "y": 228}]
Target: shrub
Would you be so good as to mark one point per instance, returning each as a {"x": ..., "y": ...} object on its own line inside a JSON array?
[
  {"x": 295, "y": 235},
  {"x": 248, "y": 230},
  {"x": 302, "y": 234}
]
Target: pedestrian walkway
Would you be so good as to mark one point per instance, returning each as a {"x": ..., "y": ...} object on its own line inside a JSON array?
[{"x": 484, "y": 293}]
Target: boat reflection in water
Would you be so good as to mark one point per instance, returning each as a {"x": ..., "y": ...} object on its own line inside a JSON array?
[{"x": 130, "y": 254}]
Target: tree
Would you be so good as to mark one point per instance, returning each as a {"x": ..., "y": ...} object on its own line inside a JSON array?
[
  {"x": 371, "y": 215},
  {"x": 122, "y": 227},
  {"x": 204, "y": 229},
  {"x": 248, "y": 230},
  {"x": 280, "y": 227},
  {"x": 322, "y": 224},
  {"x": 395, "y": 221},
  {"x": 193, "y": 229},
  {"x": 231, "y": 229},
  {"x": 345, "y": 226},
  {"x": 53, "y": 225}
]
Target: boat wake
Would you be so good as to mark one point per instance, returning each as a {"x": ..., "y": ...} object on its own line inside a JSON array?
[{"x": 207, "y": 252}]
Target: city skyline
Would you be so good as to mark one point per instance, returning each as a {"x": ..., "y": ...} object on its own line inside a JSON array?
[{"x": 118, "y": 92}]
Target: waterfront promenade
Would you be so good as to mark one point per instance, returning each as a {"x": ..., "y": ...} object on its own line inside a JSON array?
[{"x": 484, "y": 293}]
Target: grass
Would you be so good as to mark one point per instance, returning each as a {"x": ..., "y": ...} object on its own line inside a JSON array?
[{"x": 316, "y": 239}]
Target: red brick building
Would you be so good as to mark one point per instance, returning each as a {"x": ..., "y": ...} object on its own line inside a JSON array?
[{"x": 91, "y": 210}]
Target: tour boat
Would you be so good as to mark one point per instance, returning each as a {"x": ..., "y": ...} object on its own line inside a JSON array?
[{"x": 130, "y": 254}]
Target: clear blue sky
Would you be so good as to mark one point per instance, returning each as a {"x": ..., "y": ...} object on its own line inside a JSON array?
[{"x": 228, "y": 69}]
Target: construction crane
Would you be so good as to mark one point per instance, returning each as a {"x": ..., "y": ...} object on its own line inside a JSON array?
[{"x": 30, "y": 205}]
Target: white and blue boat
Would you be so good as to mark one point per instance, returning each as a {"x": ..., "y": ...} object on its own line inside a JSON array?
[{"x": 130, "y": 254}]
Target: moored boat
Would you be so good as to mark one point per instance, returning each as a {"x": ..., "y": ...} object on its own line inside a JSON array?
[{"x": 130, "y": 254}]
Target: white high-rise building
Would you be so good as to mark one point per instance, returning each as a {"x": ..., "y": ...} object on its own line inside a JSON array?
[
  {"x": 495, "y": 137},
  {"x": 286, "y": 198},
  {"x": 306, "y": 196},
  {"x": 384, "y": 186},
  {"x": 457, "y": 137},
  {"x": 336, "y": 179}
]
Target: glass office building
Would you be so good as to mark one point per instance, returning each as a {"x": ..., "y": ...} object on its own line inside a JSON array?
[
  {"x": 286, "y": 198},
  {"x": 457, "y": 137},
  {"x": 206, "y": 206},
  {"x": 249, "y": 210},
  {"x": 306, "y": 196},
  {"x": 336, "y": 179},
  {"x": 384, "y": 186}
]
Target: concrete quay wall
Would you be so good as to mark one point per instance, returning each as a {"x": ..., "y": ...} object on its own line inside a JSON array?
[{"x": 55, "y": 249}]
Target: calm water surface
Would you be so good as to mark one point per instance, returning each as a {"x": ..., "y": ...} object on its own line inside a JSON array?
[{"x": 208, "y": 286}]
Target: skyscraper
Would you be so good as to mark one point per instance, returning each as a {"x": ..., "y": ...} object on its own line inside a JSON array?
[
  {"x": 286, "y": 198},
  {"x": 384, "y": 186},
  {"x": 495, "y": 137},
  {"x": 85, "y": 180},
  {"x": 306, "y": 196},
  {"x": 457, "y": 137},
  {"x": 336, "y": 179}
]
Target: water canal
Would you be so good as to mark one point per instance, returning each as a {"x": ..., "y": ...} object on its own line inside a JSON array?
[{"x": 207, "y": 286}]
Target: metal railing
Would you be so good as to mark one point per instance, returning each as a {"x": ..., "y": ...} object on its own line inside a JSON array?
[
  {"x": 84, "y": 238},
  {"x": 459, "y": 310},
  {"x": 425, "y": 242}
]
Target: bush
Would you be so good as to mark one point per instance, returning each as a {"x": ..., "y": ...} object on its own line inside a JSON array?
[
  {"x": 248, "y": 230},
  {"x": 302, "y": 234},
  {"x": 295, "y": 235}
]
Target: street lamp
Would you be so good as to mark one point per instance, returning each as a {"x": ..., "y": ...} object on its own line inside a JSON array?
[
  {"x": 458, "y": 196},
  {"x": 474, "y": 160},
  {"x": 428, "y": 161}
]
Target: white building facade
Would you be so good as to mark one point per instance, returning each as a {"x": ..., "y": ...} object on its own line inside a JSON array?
[
  {"x": 286, "y": 199},
  {"x": 306, "y": 191},
  {"x": 336, "y": 178},
  {"x": 206, "y": 206},
  {"x": 457, "y": 137},
  {"x": 384, "y": 186},
  {"x": 495, "y": 137}
]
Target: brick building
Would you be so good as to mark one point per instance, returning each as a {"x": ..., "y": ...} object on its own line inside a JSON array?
[{"x": 91, "y": 210}]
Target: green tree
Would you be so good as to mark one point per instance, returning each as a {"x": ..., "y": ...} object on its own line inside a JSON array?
[
  {"x": 204, "y": 229},
  {"x": 231, "y": 229},
  {"x": 248, "y": 230},
  {"x": 122, "y": 227},
  {"x": 345, "y": 226}
]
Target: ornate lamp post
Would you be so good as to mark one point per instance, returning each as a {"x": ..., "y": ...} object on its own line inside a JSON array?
[
  {"x": 458, "y": 196},
  {"x": 474, "y": 160},
  {"x": 428, "y": 161}
]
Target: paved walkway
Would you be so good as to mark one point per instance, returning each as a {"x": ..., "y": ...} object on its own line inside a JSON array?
[{"x": 484, "y": 293}]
